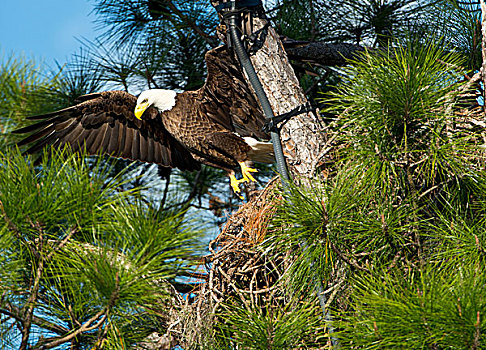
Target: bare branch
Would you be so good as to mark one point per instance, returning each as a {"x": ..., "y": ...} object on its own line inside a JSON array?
[
  {"x": 62, "y": 243},
  {"x": 210, "y": 39},
  {"x": 322, "y": 53},
  {"x": 31, "y": 301},
  {"x": 87, "y": 326},
  {"x": 15, "y": 312},
  {"x": 28, "y": 314}
]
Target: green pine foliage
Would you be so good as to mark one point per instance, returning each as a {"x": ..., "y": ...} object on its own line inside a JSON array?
[
  {"x": 297, "y": 19},
  {"x": 23, "y": 92},
  {"x": 81, "y": 257},
  {"x": 437, "y": 307},
  {"x": 394, "y": 105},
  {"x": 297, "y": 325},
  {"x": 459, "y": 23},
  {"x": 21, "y": 84},
  {"x": 397, "y": 229}
]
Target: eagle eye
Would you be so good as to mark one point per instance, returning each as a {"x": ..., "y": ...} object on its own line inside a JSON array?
[{"x": 145, "y": 100}]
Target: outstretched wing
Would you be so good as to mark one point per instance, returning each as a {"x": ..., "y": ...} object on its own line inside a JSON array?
[
  {"x": 227, "y": 99},
  {"x": 104, "y": 123}
]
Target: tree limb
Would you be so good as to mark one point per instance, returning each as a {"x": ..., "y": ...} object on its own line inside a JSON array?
[
  {"x": 87, "y": 326},
  {"x": 29, "y": 305},
  {"x": 210, "y": 39},
  {"x": 15, "y": 312},
  {"x": 322, "y": 53}
]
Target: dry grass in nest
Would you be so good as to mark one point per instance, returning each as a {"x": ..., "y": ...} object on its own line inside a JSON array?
[{"x": 251, "y": 221}]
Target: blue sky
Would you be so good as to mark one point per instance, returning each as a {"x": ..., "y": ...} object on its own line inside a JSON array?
[{"x": 44, "y": 29}]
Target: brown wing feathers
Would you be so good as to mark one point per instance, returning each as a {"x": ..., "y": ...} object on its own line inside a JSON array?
[
  {"x": 104, "y": 122},
  {"x": 230, "y": 101}
]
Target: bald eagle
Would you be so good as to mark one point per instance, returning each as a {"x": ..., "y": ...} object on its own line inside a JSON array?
[{"x": 219, "y": 124}]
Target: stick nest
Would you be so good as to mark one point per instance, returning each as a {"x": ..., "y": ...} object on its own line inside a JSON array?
[{"x": 235, "y": 267}]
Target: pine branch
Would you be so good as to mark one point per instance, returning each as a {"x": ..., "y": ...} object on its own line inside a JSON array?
[
  {"x": 16, "y": 313},
  {"x": 31, "y": 301},
  {"x": 210, "y": 39},
  {"x": 86, "y": 327},
  {"x": 91, "y": 324}
]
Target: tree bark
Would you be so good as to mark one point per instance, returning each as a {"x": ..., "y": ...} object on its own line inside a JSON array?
[
  {"x": 318, "y": 52},
  {"x": 302, "y": 139}
]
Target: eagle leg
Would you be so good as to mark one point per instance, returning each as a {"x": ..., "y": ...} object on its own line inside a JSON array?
[
  {"x": 235, "y": 184},
  {"x": 246, "y": 172}
]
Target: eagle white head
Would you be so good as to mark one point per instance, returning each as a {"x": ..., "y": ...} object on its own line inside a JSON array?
[{"x": 161, "y": 99}]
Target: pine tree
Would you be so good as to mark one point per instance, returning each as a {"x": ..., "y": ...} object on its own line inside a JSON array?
[{"x": 391, "y": 224}]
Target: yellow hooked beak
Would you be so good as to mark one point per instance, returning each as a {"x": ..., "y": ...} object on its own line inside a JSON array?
[{"x": 139, "y": 109}]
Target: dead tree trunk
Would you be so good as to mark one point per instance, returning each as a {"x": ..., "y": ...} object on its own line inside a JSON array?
[{"x": 302, "y": 139}]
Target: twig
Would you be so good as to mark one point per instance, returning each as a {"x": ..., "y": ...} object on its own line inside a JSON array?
[
  {"x": 236, "y": 289},
  {"x": 29, "y": 305},
  {"x": 483, "y": 46},
  {"x": 345, "y": 259},
  {"x": 15, "y": 312},
  {"x": 62, "y": 243},
  {"x": 86, "y": 327}
]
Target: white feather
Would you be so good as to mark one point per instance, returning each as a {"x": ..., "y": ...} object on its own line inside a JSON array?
[
  {"x": 261, "y": 152},
  {"x": 163, "y": 100}
]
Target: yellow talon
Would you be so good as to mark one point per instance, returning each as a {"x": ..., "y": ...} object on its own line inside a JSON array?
[
  {"x": 235, "y": 185},
  {"x": 246, "y": 172}
]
